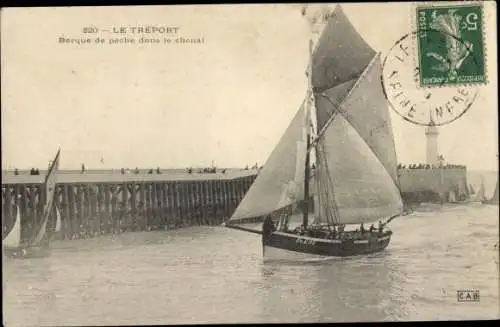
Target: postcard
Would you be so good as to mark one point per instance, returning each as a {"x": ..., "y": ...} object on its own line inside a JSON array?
[{"x": 250, "y": 163}]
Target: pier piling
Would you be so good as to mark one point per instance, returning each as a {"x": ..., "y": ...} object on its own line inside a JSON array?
[{"x": 91, "y": 206}]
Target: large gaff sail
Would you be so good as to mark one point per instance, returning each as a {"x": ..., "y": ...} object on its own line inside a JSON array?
[
  {"x": 356, "y": 153},
  {"x": 13, "y": 239},
  {"x": 361, "y": 187},
  {"x": 327, "y": 102},
  {"x": 50, "y": 186},
  {"x": 366, "y": 109},
  {"x": 340, "y": 55},
  {"x": 280, "y": 182}
]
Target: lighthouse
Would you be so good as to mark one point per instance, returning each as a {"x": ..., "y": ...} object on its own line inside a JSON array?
[{"x": 431, "y": 133}]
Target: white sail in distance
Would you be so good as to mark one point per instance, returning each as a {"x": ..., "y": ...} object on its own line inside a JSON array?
[
  {"x": 50, "y": 186},
  {"x": 480, "y": 193},
  {"x": 451, "y": 196},
  {"x": 494, "y": 198},
  {"x": 58, "y": 221},
  {"x": 471, "y": 189},
  {"x": 13, "y": 239}
]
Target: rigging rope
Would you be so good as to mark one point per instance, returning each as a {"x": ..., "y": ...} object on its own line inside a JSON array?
[{"x": 327, "y": 194}]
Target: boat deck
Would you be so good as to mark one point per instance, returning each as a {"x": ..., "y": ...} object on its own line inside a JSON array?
[{"x": 346, "y": 235}]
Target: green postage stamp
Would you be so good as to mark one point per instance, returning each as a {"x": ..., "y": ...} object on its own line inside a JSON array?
[{"x": 451, "y": 45}]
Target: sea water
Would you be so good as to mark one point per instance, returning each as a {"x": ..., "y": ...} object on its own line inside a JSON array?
[{"x": 216, "y": 275}]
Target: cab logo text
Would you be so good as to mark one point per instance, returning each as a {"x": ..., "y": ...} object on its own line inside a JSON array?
[{"x": 468, "y": 296}]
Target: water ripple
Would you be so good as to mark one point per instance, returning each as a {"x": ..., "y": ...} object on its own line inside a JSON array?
[{"x": 216, "y": 275}]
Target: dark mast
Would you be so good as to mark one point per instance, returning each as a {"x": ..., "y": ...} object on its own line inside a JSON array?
[
  {"x": 305, "y": 209},
  {"x": 307, "y": 169}
]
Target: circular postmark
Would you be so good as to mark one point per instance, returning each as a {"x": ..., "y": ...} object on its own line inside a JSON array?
[{"x": 442, "y": 96}]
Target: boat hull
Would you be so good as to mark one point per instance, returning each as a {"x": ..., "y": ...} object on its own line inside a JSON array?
[
  {"x": 32, "y": 252},
  {"x": 287, "y": 246}
]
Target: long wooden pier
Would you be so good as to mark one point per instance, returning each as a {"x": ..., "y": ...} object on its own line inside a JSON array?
[{"x": 94, "y": 204}]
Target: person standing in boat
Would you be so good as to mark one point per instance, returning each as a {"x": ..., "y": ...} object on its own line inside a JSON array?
[
  {"x": 333, "y": 233},
  {"x": 380, "y": 227},
  {"x": 268, "y": 226},
  {"x": 341, "y": 230}
]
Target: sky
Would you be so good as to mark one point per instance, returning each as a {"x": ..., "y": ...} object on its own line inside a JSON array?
[{"x": 227, "y": 100}]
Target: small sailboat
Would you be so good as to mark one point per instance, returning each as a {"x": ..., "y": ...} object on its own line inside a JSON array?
[
  {"x": 494, "y": 198},
  {"x": 451, "y": 197},
  {"x": 57, "y": 228},
  {"x": 39, "y": 245},
  {"x": 471, "y": 190},
  {"x": 479, "y": 197},
  {"x": 12, "y": 242},
  {"x": 354, "y": 176},
  {"x": 13, "y": 238}
]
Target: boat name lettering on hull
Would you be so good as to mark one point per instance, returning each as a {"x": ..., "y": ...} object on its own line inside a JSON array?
[{"x": 305, "y": 241}]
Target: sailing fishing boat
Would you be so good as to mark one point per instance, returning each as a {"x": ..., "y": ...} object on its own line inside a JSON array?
[
  {"x": 479, "y": 197},
  {"x": 39, "y": 245},
  {"x": 471, "y": 190},
  {"x": 460, "y": 194},
  {"x": 13, "y": 238},
  {"x": 12, "y": 242},
  {"x": 354, "y": 178},
  {"x": 451, "y": 197},
  {"x": 494, "y": 198}
]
